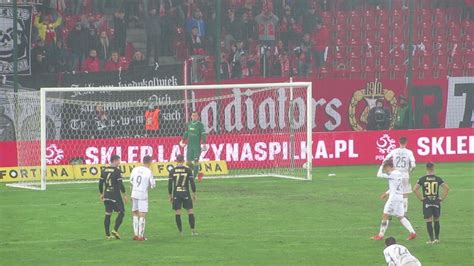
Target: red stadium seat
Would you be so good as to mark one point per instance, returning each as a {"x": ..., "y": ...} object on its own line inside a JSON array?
[
  {"x": 425, "y": 16},
  {"x": 440, "y": 15},
  {"x": 382, "y": 72},
  {"x": 441, "y": 57},
  {"x": 370, "y": 18},
  {"x": 327, "y": 18},
  {"x": 355, "y": 72},
  {"x": 440, "y": 71},
  {"x": 455, "y": 70},
  {"x": 454, "y": 14},
  {"x": 440, "y": 29},
  {"x": 354, "y": 59},
  {"x": 468, "y": 27},
  {"x": 382, "y": 59},
  {"x": 323, "y": 73},
  {"x": 395, "y": 72},
  {"x": 427, "y": 71},
  {"x": 469, "y": 69},
  {"x": 397, "y": 58},
  {"x": 356, "y": 18},
  {"x": 341, "y": 17},
  {"x": 368, "y": 73},
  {"x": 426, "y": 59},
  {"x": 455, "y": 28}
]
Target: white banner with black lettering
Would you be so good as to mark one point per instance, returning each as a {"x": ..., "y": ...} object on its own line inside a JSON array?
[
  {"x": 23, "y": 38},
  {"x": 460, "y": 106}
]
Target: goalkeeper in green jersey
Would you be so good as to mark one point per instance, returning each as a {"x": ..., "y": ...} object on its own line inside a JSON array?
[{"x": 194, "y": 136}]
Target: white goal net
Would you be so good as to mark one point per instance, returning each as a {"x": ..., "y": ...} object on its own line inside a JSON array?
[{"x": 67, "y": 134}]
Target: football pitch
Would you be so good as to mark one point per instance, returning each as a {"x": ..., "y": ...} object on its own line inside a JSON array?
[{"x": 248, "y": 221}]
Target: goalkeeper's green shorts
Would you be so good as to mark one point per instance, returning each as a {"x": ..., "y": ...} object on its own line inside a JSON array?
[{"x": 193, "y": 153}]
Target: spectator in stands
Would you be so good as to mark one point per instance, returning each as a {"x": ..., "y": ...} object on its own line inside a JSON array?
[
  {"x": 168, "y": 26},
  {"x": 131, "y": 11},
  {"x": 104, "y": 47},
  {"x": 284, "y": 26},
  {"x": 232, "y": 29},
  {"x": 153, "y": 35},
  {"x": 304, "y": 56},
  {"x": 90, "y": 22},
  {"x": 114, "y": 63},
  {"x": 282, "y": 66},
  {"x": 402, "y": 117},
  {"x": 39, "y": 64},
  {"x": 47, "y": 28},
  {"x": 197, "y": 52},
  {"x": 120, "y": 31},
  {"x": 266, "y": 22},
  {"x": 77, "y": 46},
  {"x": 248, "y": 8},
  {"x": 247, "y": 28},
  {"x": 225, "y": 70},
  {"x": 76, "y": 6},
  {"x": 99, "y": 6},
  {"x": 195, "y": 43},
  {"x": 310, "y": 18},
  {"x": 211, "y": 26},
  {"x": 237, "y": 55},
  {"x": 39, "y": 48},
  {"x": 92, "y": 63},
  {"x": 59, "y": 58},
  {"x": 58, "y": 5},
  {"x": 266, "y": 60},
  {"x": 321, "y": 40},
  {"x": 93, "y": 42},
  {"x": 378, "y": 117},
  {"x": 138, "y": 62},
  {"x": 196, "y": 22}
]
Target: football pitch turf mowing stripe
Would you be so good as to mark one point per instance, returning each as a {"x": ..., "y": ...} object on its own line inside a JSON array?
[{"x": 251, "y": 221}]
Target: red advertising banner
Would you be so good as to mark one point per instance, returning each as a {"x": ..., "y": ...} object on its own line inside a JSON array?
[
  {"x": 342, "y": 104},
  {"x": 267, "y": 150}
]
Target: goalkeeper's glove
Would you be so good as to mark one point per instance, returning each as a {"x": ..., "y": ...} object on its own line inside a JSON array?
[{"x": 182, "y": 143}]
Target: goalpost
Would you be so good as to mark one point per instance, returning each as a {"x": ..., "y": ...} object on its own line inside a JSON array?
[{"x": 65, "y": 135}]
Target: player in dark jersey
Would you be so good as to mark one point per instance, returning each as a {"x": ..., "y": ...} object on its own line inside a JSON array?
[
  {"x": 112, "y": 193},
  {"x": 430, "y": 184},
  {"x": 180, "y": 179}
]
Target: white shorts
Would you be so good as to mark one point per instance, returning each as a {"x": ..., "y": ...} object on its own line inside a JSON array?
[
  {"x": 139, "y": 205},
  {"x": 394, "y": 208},
  {"x": 410, "y": 261},
  {"x": 406, "y": 186}
]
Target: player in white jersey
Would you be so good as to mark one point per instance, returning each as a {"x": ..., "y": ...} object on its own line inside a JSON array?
[
  {"x": 398, "y": 255},
  {"x": 394, "y": 204},
  {"x": 141, "y": 180},
  {"x": 404, "y": 161}
]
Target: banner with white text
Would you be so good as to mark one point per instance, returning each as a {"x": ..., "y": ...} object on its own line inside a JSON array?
[{"x": 262, "y": 151}]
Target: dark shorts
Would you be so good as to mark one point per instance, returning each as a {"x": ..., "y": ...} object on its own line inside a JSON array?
[
  {"x": 182, "y": 201},
  {"x": 193, "y": 153},
  {"x": 431, "y": 210},
  {"x": 111, "y": 206}
]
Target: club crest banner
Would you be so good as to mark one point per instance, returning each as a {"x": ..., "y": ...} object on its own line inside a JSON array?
[{"x": 23, "y": 38}]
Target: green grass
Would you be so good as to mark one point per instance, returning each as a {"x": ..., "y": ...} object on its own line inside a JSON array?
[{"x": 259, "y": 221}]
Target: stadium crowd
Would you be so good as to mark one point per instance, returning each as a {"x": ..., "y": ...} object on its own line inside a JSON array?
[{"x": 343, "y": 38}]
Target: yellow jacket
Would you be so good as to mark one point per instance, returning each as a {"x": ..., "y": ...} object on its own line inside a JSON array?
[{"x": 42, "y": 28}]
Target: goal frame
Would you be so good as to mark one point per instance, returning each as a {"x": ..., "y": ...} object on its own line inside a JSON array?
[{"x": 291, "y": 85}]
